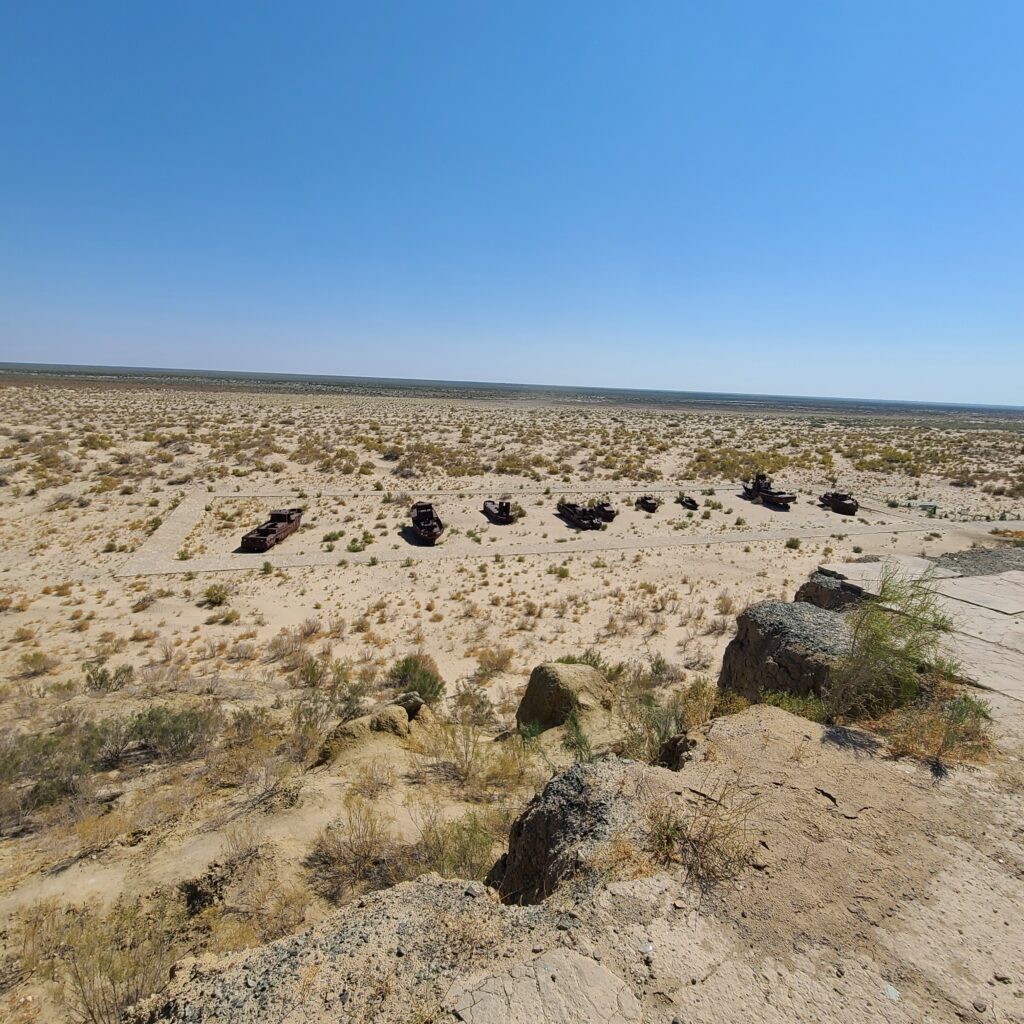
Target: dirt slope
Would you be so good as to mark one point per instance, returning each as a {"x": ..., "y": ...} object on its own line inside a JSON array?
[{"x": 876, "y": 890}]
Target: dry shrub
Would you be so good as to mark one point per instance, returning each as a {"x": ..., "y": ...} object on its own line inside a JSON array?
[
  {"x": 461, "y": 847},
  {"x": 620, "y": 859},
  {"x": 492, "y": 661},
  {"x": 258, "y": 906},
  {"x": 651, "y": 723},
  {"x": 947, "y": 726},
  {"x": 102, "y": 962},
  {"x": 711, "y": 838},
  {"x": 95, "y": 832},
  {"x": 460, "y": 753},
  {"x": 357, "y": 854},
  {"x": 373, "y": 778}
]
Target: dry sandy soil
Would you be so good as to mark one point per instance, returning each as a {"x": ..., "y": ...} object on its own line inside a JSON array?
[{"x": 121, "y": 506}]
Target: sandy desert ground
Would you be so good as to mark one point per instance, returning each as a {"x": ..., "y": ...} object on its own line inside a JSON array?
[{"x": 121, "y": 512}]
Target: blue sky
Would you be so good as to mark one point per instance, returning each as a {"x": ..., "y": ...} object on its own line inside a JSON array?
[{"x": 802, "y": 197}]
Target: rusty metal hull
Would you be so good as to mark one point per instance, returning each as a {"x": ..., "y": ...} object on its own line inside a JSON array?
[
  {"x": 499, "y": 512},
  {"x": 839, "y": 501},
  {"x": 580, "y": 516},
  {"x": 426, "y": 523},
  {"x": 282, "y": 523}
]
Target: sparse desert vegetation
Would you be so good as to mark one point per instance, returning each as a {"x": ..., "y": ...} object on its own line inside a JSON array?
[{"x": 200, "y": 755}]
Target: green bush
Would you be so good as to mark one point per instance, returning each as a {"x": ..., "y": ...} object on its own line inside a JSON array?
[
  {"x": 895, "y": 639},
  {"x": 417, "y": 673},
  {"x": 99, "y": 678},
  {"x": 175, "y": 733},
  {"x": 216, "y": 595},
  {"x": 36, "y": 663}
]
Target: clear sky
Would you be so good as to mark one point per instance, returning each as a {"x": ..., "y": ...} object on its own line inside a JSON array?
[{"x": 781, "y": 196}]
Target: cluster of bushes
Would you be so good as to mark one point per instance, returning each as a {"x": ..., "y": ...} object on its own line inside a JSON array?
[
  {"x": 360, "y": 853},
  {"x": 39, "y": 770},
  {"x": 417, "y": 673}
]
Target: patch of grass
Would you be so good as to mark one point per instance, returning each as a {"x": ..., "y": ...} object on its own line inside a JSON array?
[
  {"x": 575, "y": 740},
  {"x": 710, "y": 838},
  {"x": 946, "y": 726},
  {"x": 810, "y": 707}
]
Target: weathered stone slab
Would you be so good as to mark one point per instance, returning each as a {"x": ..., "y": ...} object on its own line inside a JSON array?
[
  {"x": 560, "y": 987},
  {"x": 1003, "y": 592}
]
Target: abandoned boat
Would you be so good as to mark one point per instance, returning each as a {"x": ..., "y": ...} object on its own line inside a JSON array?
[
  {"x": 760, "y": 489},
  {"x": 499, "y": 511},
  {"x": 580, "y": 516},
  {"x": 426, "y": 523},
  {"x": 282, "y": 523},
  {"x": 841, "y": 502}
]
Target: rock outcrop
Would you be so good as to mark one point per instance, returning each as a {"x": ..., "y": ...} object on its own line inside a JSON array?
[
  {"x": 394, "y": 718},
  {"x": 562, "y": 831},
  {"x": 555, "y": 690},
  {"x": 783, "y": 647},
  {"x": 848, "y": 920},
  {"x": 828, "y": 591}
]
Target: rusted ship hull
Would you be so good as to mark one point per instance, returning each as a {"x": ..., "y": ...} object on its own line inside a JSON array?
[
  {"x": 282, "y": 523},
  {"x": 499, "y": 512},
  {"x": 580, "y": 516},
  {"x": 844, "y": 504},
  {"x": 426, "y": 523}
]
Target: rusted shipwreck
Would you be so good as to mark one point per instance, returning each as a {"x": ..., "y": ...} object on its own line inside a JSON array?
[
  {"x": 841, "y": 502},
  {"x": 426, "y": 523},
  {"x": 500, "y": 511},
  {"x": 282, "y": 523},
  {"x": 760, "y": 489},
  {"x": 580, "y": 516}
]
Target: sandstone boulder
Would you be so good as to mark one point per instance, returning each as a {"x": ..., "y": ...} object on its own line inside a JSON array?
[
  {"x": 555, "y": 690},
  {"x": 783, "y": 647},
  {"x": 393, "y": 719}
]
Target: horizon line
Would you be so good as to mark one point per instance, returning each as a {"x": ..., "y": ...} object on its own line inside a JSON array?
[{"x": 407, "y": 381}]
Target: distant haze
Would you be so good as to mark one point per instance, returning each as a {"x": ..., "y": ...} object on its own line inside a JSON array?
[{"x": 801, "y": 198}]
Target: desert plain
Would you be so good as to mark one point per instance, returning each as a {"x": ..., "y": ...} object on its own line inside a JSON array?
[{"x": 188, "y": 736}]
